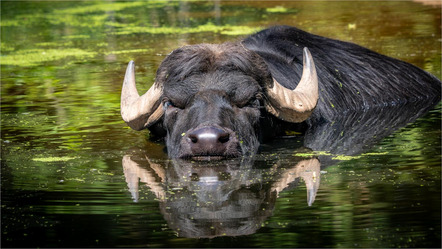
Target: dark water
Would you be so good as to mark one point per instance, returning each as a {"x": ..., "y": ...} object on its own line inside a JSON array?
[{"x": 74, "y": 175}]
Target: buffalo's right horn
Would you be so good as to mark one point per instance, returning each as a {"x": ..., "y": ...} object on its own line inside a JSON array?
[
  {"x": 295, "y": 105},
  {"x": 139, "y": 112}
]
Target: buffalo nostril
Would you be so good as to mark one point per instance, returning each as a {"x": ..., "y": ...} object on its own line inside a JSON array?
[
  {"x": 193, "y": 138},
  {"x": 209, "y": 135},
  {"x": 208, "y": 140},
  {"x": 224, "y": 138}
]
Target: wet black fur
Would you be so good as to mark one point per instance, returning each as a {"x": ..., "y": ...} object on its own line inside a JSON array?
[
  {"x": 351, "y": 77},
  {"x": 223, "y": 85}
]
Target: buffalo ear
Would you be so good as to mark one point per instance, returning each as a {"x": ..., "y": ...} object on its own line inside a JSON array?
[{"x": 295, "y": 105}]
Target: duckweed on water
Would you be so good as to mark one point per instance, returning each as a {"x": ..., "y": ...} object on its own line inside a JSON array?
[
  {"x": 338, "y": 156},
  {"x": 103, "y": 7},
  {"x": 345, "y": 158},
  {"x": 314, "y": 153},
  {"x": 93, "y": 16},
  {"x": 128, "y": 51},
  {"x": 33, "y": 57},
  {"x": 277, "y": 9},
  {"x": 208, "y": 27},
  {"x": 103, "y": 15},
  {"x": 75, "y": 16},
  {"x": 53, "y": 159},
  {"x": 6, "y": 47}
]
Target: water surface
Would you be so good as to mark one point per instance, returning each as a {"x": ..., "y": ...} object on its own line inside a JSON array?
[{"x": 74, "y": 175}]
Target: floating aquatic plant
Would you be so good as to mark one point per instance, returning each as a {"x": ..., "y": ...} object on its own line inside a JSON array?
[
  {"x": 208, "y": 27},
  {"x": 53, "y": 159},
  {"x": 277, "y": 9},
  {"x": 33, "y": 57}
]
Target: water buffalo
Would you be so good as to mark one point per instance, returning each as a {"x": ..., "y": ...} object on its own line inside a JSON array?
[
  {"x": 236, "y": 196},
  {"x": 213, "y": 101}
]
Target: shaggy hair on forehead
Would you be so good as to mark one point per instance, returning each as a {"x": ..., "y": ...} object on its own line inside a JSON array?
[{"x": 206, "y": 58}]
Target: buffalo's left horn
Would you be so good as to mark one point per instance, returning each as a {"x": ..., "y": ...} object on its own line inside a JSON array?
[
  {"x": 139, "y": 112},
  {"x": 296, "y": 105}
]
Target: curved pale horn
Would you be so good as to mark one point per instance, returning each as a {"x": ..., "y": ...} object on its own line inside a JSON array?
[
  {"x": 139, "y": 112},
  {"x": 296, "y": 105}
]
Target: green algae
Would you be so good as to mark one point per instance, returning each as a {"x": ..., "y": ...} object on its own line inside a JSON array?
[
  {"x": 345, "y": 157},
  {"x": 339, "y": 157},
  {"x": 238, "y": 30},
  {"x": 73, "y": 37},
  {"x": 128, "y": 51},
  {"x": 103, "y": 7},
  {"x": 33, "y": 57},
  {"x": 208, "y": 27},
  {"x": 90, "y": 15},
  {"x": 277, "y": 9},
  {"x": 375, "y": 153},
  {"x": 9, "y": 23},
  {"x": 53, "y": 159},
  {"x": 90, "y": 22},
  {"x": 5, "y": 47},
  {"x": 54, "y": 44}
]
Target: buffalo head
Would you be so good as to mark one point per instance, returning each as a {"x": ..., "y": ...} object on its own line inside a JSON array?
[{"x": 209, "y": 100}]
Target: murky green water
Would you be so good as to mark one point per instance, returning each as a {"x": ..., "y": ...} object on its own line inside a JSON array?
[{"x": 74, "y": 175}]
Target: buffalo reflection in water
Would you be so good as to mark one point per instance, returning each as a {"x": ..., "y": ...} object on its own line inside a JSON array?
[
  {"x": 234, "y": 197},
  {"x": 224, "y": 198}
]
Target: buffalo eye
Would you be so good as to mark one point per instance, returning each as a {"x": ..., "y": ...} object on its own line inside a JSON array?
[
  {"x": 254, "y": 102},
  {"x": 168, "y": 104}
]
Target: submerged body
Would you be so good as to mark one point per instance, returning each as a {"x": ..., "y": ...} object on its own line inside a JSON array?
[
  {"x": 351, "y": 77},
  {"x": 222, "y": 100}
]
